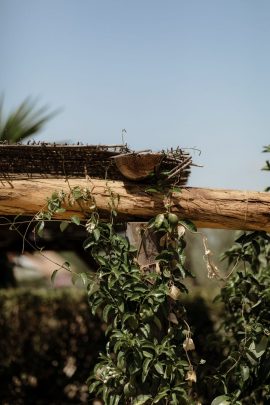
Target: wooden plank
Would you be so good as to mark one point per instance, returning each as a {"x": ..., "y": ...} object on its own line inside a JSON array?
[{"x": 208, "y": 208}]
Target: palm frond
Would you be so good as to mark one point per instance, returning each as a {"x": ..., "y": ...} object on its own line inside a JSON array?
[{"x": 23, "y": 122}]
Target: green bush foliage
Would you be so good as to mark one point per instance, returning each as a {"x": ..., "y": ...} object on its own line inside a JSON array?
[
  {"x": 48, "y": 343},
  {"x": 243, "y": 375}
]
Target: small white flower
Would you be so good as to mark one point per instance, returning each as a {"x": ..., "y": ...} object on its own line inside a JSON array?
[{"x": 90, "y": 226}]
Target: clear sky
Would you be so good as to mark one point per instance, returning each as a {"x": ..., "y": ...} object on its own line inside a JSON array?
[{"x": 193, "y": 73}]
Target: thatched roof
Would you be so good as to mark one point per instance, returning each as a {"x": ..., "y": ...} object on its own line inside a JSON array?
[{"x": 37, "y": 160}]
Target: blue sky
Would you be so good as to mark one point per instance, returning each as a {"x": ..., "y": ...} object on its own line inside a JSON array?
[{"x": 192, "y": 73}]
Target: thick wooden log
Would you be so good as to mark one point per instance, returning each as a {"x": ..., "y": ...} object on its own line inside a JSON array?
[{"x": 208, "y": 208}]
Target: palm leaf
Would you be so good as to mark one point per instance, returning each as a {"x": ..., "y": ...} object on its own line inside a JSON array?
[{"x": 23, "y": 122}]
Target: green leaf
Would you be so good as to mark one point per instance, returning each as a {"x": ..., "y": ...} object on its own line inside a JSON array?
[
  {"x": 74, "y": 278},
  {"x": 259, "y": 348},
  {"x": 245, "y": 373},
  {"x": 176, "y": 189},
  {"x": 152, "y": 190},
  {"x": 141, "y": 399},
  {"x": 40, "y": 227},
  {"x": 159, "y": 368},
  {"x": 147, "y": 354},
  {"x": 256, "y": 247},
  {"x": 60, "y": 210},
  {"x": 77, "y": 193},
  {"x": 188, "y": 224},
  {"x": 97, "y": 303},
  {"x": 122, "y": 307},
  {"x": 93, "y": 386},
  {"x": 75, "y": 219},
  {"x": 145, "y": 368},
  {"x": 92, "y": 288},
  {"x": 160, "y": 395},
  {"x": 88, "y": 243},
  {"x": 141, "y": 289},
  {"x": 121, "y": 361},
  {"x": 116, "y": 399},
  {"x": 132, "y": 249},
  {"x": 118, "y": 334},
  {"x": 64, "y": 225},
  {"x": 129, "y": 390},
  {"x": 134, "y": 368},
  {"x": 101, "y": 260},
  {"x": 148, "y": 345},
  {"x": 54, "y": 275},
  {"x": 106, "y": 312},
  {"x": 133, "y": 322},
  {"x": 245, "y": 238},
  {"x": 221, "y": 400},
  {"x": 84, "y": 278},
  {"x": 96, "y": 233},
  {"x": 174, "y": 399},
  {"x": 159, "y": 220},
  {"x": 157, "y": 322}
]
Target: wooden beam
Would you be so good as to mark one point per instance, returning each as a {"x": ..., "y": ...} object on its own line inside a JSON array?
[{"x": 208, "y": 208}]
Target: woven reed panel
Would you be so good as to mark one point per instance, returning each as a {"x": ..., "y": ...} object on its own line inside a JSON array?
[{"x": 19, "y": 161}]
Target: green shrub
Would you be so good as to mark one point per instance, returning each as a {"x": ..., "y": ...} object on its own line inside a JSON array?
[{"x": 48, "y": 343}]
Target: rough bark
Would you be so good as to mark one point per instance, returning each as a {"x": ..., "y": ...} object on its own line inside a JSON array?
[{"x": 208, "y": 208}]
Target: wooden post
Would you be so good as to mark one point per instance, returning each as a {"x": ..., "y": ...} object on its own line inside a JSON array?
[
  {"x": 208, "y": 208},
  {"x": 146, "y": 242}
]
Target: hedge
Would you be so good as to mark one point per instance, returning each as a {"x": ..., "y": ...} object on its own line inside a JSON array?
[{"x": 48, "y": 344}]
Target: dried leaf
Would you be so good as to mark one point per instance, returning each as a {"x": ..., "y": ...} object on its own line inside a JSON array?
[
  {"x": 172, "y": 318},
  {"x": 188, "y": 344}
]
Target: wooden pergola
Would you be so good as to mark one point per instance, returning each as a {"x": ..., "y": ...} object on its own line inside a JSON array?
[{"x": 29, "y": 174}]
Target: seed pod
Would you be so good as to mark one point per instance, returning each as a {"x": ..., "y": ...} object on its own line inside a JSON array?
[
  {"x": 158, "y": 268},
  {"x": 191, "y": 376},
  {"x": 159, "y": 220},
  {"x": 173, "y": 219},
  {"x": 181, "y": 230},
  {"x": 188, "y": 344},
  {"x": 172, "y": 318}
]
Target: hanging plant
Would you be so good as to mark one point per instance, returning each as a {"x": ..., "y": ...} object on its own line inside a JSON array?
[{"x": 149, "y": 353}]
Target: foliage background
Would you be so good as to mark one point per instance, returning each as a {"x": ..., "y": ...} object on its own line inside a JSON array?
[{"x": 49, "y": 342}]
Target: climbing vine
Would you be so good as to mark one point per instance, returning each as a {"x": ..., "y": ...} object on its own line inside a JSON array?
[
  {"x": 149, "y": 355},
  {"x": 149, "y": 339}
]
